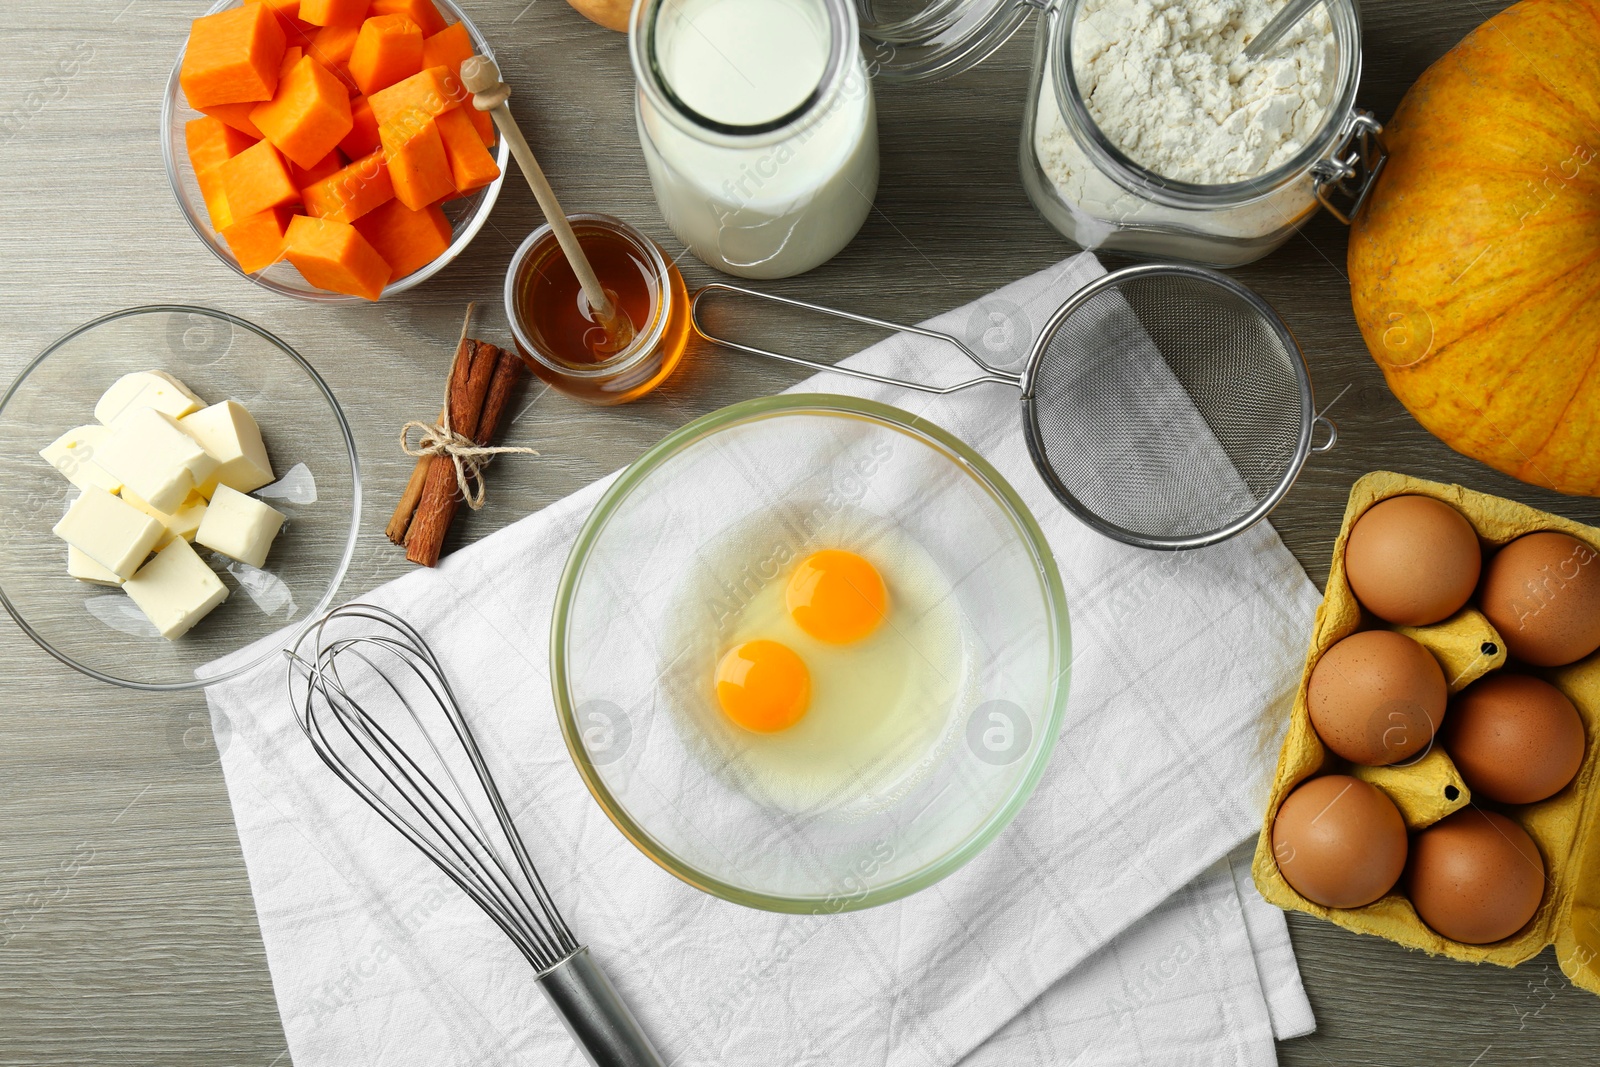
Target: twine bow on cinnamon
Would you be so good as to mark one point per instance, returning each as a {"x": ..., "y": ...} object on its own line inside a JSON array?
[
  {"x": 469, "y": 457},
  {"x": 452, "y": 453}
]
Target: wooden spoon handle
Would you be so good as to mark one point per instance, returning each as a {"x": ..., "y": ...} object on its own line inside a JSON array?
[{"x": 482, "y": 78}]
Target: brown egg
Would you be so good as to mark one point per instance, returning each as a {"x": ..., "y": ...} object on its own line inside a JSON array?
[
  {"x": 1542, "y": 592},
  {"x": 1339, "y": 841},
  {"x": 1475, "y": 876},
  {"x": 1377, "y": 697},
  {"x": 1514, "y": 738},
  {"x": 1412, "y": 560}
]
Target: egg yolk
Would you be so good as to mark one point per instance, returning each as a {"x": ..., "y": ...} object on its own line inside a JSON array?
[
  {"x": 763, "y": 686},
  {"x": 836, "y": 596}
]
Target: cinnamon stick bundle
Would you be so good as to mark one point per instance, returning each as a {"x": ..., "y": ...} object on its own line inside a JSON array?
[
  {"x": 460, "y": 368},
  {"x": 481, "y": 382}
]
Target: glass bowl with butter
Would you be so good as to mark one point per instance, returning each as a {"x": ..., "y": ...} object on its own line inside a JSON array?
[{"x": 176, "y": 484}]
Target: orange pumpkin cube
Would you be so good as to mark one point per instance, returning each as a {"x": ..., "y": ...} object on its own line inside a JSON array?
[
  {"x": 409, "y": 104},
  {"x": 334, "y": 12},
  {"x": 295, "y": 31},
  {"x": 212, "y": 191},
  {"x": 235, "y": 115},
  {"x": 291, "y": 56},
  {"x": 471, "y": 165},
  {"x": 388, "y": 50},
  {"x": 304, "y": 176},
  {"x": 418, "y": 166},
  {"x": 257, "y": 179},
  {"x": 363, "y": 137},
  {"x": 350, "y": 192},
  {"x": 332, "y": 255},
  {"x": 422, "y": 12},
  {"x": 309, "y": 115},
  {"x": 449, "y": 48},
  {"x": 257, "y": 240},
  {"x": 333, "y": 47},
  {"x": 211, "y": 141},
  {"x": 407, "y": 240},
  {"x": 232, "y": 57}
]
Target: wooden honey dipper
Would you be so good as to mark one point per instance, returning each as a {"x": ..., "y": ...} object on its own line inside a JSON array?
[{"x": 481, "y": 77}]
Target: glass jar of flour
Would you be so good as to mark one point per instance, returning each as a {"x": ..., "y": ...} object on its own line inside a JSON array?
[
  {"x": 758, "y": 128},
  {"x": 1147, "y": 132}
]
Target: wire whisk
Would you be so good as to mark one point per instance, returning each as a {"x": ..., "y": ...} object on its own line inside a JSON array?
[{"x": 379, "y": 710}]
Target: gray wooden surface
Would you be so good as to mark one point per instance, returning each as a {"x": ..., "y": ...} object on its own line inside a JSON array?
[{"x": 128, "y": 932}]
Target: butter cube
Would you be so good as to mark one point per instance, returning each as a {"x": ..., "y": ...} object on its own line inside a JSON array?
[
  {"x": 185, "y": 522},
  {"x": 181, "y": 523},
  {"x": 81, "y": 567},
  {"x": 230, "y": 434},
  {"x": 155, "y": 459},
  {"x": 112, "y": 532},
  {"x": 239, "y": 526},
  {"x": 73, "y": 455},
  {"x": 146, "y": 389},
  {"x": 176, "y": 589}
]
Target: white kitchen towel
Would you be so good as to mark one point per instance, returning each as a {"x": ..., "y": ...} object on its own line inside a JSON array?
[
  {"x": 1104, "y": 921},
  {"x": 1180, "y": 986}
]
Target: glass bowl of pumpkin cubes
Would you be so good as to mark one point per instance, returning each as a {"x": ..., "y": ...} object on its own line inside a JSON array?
[
  {"x": 176, "y": 484},
  {"x": 326, "y": 149}
]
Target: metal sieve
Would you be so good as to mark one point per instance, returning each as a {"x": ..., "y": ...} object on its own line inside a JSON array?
[{"x": 1166, "y": 406}]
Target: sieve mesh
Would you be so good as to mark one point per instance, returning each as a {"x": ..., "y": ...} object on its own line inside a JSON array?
[{"x": 1168, "y": 405}]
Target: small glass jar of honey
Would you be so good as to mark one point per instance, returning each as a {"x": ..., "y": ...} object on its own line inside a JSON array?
[{"x": 557, "y": 332}]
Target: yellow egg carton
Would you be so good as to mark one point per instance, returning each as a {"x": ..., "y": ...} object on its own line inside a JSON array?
[{"x": 1428, "y": 788}]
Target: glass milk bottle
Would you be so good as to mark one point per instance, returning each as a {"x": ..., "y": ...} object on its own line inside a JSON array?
[{"x": 758, "y": 128}]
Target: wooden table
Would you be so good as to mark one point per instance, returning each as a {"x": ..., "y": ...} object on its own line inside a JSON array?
[{"x": 129, "y": 932}]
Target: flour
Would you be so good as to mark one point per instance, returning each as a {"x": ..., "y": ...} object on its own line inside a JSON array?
[{"x": 1166, "y": 83}]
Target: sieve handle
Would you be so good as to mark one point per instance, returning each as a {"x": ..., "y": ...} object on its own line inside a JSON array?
[
  {"x": 991, "y": 374},
  {"x": 1333, "y": 434}
]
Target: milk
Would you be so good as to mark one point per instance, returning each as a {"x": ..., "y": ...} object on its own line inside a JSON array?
[{"x": 764, "y": 203}]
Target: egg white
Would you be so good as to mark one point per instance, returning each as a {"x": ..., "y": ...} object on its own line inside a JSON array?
[{"x": 881, "y": 710}]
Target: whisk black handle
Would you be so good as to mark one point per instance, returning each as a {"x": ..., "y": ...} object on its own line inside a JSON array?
[{"x": 595, "y": 1015}]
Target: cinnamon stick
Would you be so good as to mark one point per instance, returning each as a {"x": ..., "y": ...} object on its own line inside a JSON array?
[
  {"x": 460, "y": 365},
  {"x": 484, "y": 401},
  {"x": 400, "y": 521},
  {"x": 435, "y": 508},
  {"x": 506, "y": 372}
]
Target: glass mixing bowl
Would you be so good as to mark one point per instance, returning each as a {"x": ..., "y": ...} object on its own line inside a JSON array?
[
  {"x": 99, "y": 630},
  {"x": 467, "y": 215},
  {"x": 697, "y": 529}
]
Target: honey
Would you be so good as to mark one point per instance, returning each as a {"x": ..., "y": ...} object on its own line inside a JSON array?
[{"x": 561, "y": 338}]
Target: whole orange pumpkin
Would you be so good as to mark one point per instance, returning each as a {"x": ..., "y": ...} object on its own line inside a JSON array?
[{"x": 1475, "y": 267}]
